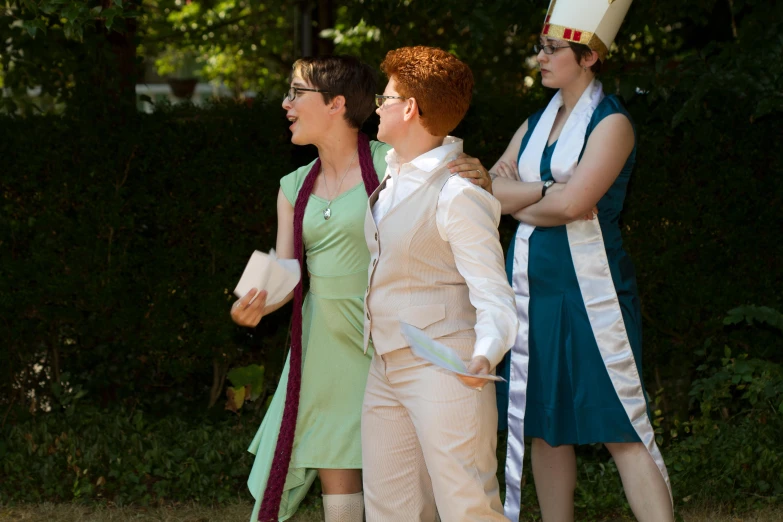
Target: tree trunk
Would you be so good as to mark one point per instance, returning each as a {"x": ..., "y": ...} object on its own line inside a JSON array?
[
  {"x": 326, "y": 19},
  {"x": 306, "y": 30},
  {"x": 109, "y": 88},
  {"x": 219, "y": 372},
  {"x": 123, "y": 46}
]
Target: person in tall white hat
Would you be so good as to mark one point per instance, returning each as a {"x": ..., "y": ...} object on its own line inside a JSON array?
[{"x": 575, "y": 369}]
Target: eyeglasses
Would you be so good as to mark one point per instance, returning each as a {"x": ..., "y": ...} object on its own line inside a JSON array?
[
  {"x": 293, "y": 92},
  {"x": 380, "y": 101},
  {"x": 548, "y": 49}
]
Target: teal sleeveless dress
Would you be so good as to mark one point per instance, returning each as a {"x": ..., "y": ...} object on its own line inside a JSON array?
[{"x": 570, "y": 397}]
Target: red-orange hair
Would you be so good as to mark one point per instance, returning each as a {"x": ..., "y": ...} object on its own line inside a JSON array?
[{"x": 441, "y": 84}]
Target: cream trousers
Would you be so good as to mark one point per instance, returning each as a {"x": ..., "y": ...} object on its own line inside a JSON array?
[{"x": 428, "y": 442}]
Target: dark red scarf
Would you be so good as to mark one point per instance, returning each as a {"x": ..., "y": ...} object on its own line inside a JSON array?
[{"x": 270, "y": 505}]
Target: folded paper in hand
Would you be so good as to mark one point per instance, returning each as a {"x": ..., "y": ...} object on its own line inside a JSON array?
[
  {"x": 438, "y": 353},
  {"x": 266, "y": 272}
]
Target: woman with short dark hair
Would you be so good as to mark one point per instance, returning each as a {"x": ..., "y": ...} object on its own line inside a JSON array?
[{"x": 312, "y": 426}]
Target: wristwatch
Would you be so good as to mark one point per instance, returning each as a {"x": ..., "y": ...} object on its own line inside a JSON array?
[{"x": 547, "y": 184}]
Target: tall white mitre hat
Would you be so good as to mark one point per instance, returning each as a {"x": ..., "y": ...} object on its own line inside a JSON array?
[{"x": 591, "y": 22}]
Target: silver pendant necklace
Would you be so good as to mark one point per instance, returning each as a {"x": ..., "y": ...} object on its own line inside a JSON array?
[{"x": 328, "y": 210}]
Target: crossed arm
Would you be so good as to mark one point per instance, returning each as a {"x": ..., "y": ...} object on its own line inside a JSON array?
[{"x": 606, "y": 152}]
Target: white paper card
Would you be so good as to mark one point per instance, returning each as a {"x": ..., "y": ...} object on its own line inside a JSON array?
[
  {"x": 266, "y": 272},
  {"x": 438, "y": 353}
]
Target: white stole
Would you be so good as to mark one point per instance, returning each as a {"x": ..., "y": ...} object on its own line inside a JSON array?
[{"x": 595, "y": 282}]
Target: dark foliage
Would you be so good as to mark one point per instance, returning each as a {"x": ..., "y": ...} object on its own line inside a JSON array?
[{"x": 120, "y": 243}]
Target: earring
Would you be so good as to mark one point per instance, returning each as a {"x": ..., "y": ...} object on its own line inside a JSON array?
[{"x": 584, "y": 68}]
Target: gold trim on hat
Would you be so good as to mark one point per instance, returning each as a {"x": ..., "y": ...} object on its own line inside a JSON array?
[
  {"x": 569, "y": 34},
  {"x": 598, "y": 46}
]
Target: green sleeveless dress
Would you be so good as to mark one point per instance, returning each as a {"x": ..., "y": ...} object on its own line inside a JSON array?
[{"x": 335, "y": 367}]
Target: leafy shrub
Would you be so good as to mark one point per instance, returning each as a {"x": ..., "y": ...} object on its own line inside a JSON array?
[
  {"x": 732, "y": 447},
  {"x": 121, "y": 245},
  {"x": 125, "y": 457}
]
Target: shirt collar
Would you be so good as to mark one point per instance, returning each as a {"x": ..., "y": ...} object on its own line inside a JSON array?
[{"x": 430, "y": 160}]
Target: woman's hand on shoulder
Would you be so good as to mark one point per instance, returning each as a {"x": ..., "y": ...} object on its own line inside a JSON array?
[
  {"x": 245, "y": 313},
  {"x": 471, "y": 169}
]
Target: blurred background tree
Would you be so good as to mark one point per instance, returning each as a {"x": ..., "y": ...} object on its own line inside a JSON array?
[
  {"x": 123, "y": 233},
  {"x": 67, "y": 46}
]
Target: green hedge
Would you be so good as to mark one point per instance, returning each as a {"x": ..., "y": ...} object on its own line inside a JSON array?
[
  {"x": 120, "y": 243},
  {"x": 728, "y": 451},
  {"x": 124, "y": 457}
]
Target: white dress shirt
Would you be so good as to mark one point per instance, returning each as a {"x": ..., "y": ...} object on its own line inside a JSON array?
[{"x": 467, "y": 218}]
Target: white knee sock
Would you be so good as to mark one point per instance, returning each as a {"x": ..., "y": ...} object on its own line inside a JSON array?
[{"x": 344, "y": 508}]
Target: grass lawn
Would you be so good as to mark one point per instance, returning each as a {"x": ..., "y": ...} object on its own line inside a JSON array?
[{"x": 240, "y": 512}]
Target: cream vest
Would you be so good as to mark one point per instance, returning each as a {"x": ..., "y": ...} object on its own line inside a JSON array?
[{"x": 413, "y": 276}]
